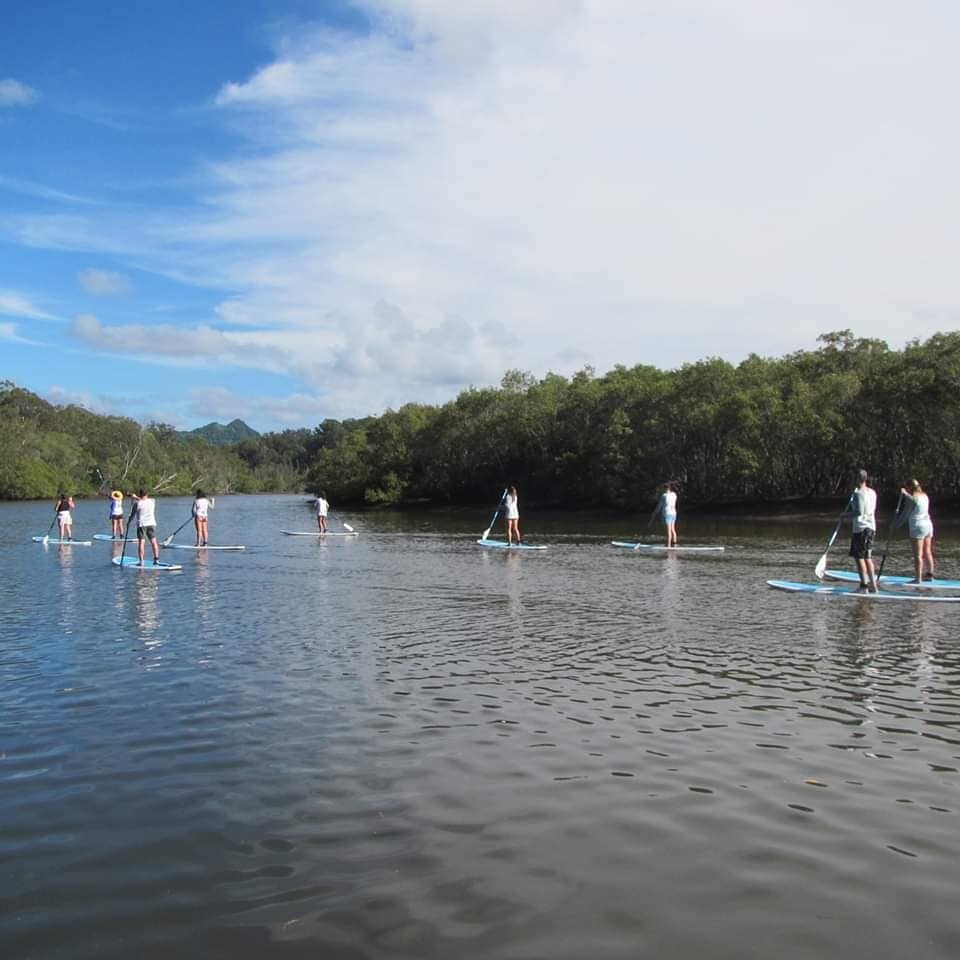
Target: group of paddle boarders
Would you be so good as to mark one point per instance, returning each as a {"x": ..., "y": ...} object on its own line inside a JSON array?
[{"x": 862, "y": 510}]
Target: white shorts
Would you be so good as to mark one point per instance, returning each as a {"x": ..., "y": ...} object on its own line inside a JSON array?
[
  {"x": 669, "y": 518},
  {"x": 64, "y": 517},
  {"x": 922, "y": 530}
]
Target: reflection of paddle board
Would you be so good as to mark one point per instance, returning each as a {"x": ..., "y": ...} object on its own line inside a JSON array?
[
  {"x": 192, "y": 546},
  {"x": 63, "y": 543},
  {"x": 663, "y": 548},
  {"x": 503, "y": 545},
  {"x": 839, "y": 590},
  {"x": 146, "y": 565},
  {"x": 109, "y": 539},
  {"x": 317, "y": 533},
  {"x": 851, "y": 576}
]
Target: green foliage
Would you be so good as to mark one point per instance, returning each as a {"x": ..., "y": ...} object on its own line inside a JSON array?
[{"x": 769, "y": 428}]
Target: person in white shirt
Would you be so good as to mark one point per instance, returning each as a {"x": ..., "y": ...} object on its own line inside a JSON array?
[
  {"x": 322, "y": 509},
  {"x": 116, "y": 515},
  {"x": 667, "y": 508},
  {"x": 513, "y": 515},
  {"x": 145, "y": 508},
  {"x": 920, "y": 528},
  {"x": 863, "y": 510},
  {"x": 201, "y": 507}
]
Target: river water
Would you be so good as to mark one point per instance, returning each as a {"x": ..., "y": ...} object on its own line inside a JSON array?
[{"x": 404, "y": 745}]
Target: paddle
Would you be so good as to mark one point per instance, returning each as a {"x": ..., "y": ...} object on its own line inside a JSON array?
[
  {"x": 637, "y": 546},
  {"x": 46, "y": 536},
  {"x": 821, "y": 566},
  {"x": 893, "y": 523},
  {"x": 486, "y": 533},
  {"x": 169, "y": 539},
  {"x": 126, "y": 533},
  {"x": 346, "y": 526}
]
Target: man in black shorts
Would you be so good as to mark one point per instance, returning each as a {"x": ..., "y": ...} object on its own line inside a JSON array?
[{"x": 863, "y": 509}]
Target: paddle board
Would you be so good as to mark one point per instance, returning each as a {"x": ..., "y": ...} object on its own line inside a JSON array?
[
  {"x": 146, "y": 565},
  {"x": 851, "y": 591},
  {"x": 109, "y": 539},
  {"x": 317, "y": 533},
  {"x": 63, "y": 543},
  {"x": 851, "y": 576},
  {"x": 663, "y": 548},
  {"x": 503, "y": 545},
  {"x": 193, "y": 546}
]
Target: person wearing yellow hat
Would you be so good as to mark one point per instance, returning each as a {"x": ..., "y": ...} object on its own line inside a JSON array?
[{"x": 116, "y": 515}]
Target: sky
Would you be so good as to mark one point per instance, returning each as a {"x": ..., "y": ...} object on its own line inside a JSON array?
[{"x": 297, "y": 210}]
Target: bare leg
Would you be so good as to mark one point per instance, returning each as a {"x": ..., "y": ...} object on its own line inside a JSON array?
[
  {"x": 917, "y": 546},
  {"x": 927, "y": 553},
  {"x": 140, "y": 549}
]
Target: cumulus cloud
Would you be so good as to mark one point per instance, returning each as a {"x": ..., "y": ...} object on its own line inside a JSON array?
[
  {"x": 481, "y": 185},
  {"x": 16, "y": 94},
  {"x": 104, "y": 283}
]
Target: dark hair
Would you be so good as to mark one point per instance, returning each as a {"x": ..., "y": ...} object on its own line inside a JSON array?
[
  {"x": 199, "y": 494},
  {"x": 141, "y": 492}
]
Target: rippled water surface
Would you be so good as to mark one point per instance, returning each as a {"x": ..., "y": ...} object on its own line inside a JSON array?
[{"x": 404, "y": 745}]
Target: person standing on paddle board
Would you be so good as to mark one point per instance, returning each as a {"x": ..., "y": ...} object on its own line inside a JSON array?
[
  {"x": 64, "y": 518},
  {"x": 116, "y": 515},
  {"x": 145, "y": 507},
  {"x": 201, "y": 507},
  {"x": 323, "y": 508},
  {"x": 512, "y": 503},
  {"x": 667, "y": 508},
  {"x": 920, "y": 528},
  {"x": 863, "y": 509}
]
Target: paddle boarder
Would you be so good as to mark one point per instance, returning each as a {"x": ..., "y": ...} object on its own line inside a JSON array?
[
  {"x": 323, "y": 508},
  {"x": 64, "y": 518},
  {"x": 667, "y": 508},
  {"x": 201, "y": 507},
  {"x": 863, "y": 510},
  {"x": 116, "y": 515},
  {"x": 512, "y": 503},
  {"x": 145, "y": 508},
  {"x": 920, "y": 530}
]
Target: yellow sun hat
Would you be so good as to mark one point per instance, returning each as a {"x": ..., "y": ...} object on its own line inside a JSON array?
[{"x": 117, "y": 495}]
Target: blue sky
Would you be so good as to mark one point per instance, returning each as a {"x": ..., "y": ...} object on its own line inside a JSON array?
[{"x": 286, "y": 211}]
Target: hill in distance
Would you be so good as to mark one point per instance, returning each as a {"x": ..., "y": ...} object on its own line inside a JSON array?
[{"x": 219, "y": 435}]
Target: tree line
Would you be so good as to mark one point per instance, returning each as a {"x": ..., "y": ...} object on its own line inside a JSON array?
[{"x": 767, "y": 429}]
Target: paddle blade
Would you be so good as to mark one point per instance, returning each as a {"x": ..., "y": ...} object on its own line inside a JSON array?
[
  {"x": 486, "y": 533},
  {"x": 821, "y": 568},
  {"x": 347, "y": 526}
]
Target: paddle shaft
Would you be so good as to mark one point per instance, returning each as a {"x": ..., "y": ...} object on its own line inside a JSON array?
[
  {"x": 822, "y": 562},
  {"x": 893, "y": 523},
  {"x": 496, "y": 513},
  {"x": 175, "y": 532}
]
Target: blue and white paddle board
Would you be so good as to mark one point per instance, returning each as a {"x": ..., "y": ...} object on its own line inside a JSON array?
[
  {"x": 146, "y": 565},
  {"x": 193, "y": 546},
  {"x": 317, "y": 533},
  {"x": 109, "y": 539},
  {"x": 503, "y": 545},
  {"x": 663, "y": 548},
  {"x": 63, "y": 543},
  {"x": 851, "y": 576},
  {"x": 839, "y": 590}
]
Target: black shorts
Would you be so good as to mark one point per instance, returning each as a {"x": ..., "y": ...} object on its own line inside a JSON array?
[
  {"x": 149, "y": 532},
  {"x": 861, "y": 545}
]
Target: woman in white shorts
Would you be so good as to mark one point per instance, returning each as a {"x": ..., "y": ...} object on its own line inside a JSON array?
[
  {"x": 64, "y": 518},
  {"x": 920, "y": 528},
  {"x": 513, "y": 515}
]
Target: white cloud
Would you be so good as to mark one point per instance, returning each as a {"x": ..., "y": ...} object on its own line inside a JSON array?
[
  {"x": 16, "y": 94},
  {"x": 104, "y": 283},
  {"x": 14, "y": 304},
  {"x": 480, "y": 185}
]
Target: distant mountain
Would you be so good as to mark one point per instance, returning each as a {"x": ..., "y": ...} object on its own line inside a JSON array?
[{"x": 219, "y": 435}]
